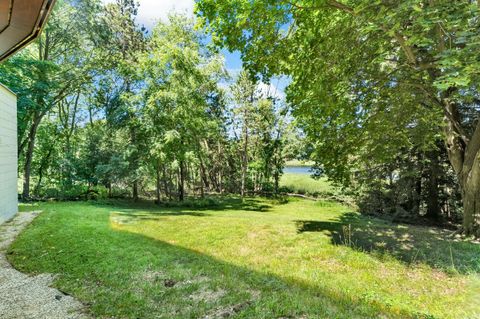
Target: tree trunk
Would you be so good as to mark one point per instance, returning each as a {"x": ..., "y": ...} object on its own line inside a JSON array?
[
  {"x": 40, "y": 171},
  {"x": 43, "y": 55},
  {"x": 276, "y": 183},
  {"x": 181, "y": 184},
  {"x": 244, "y": 176},
  {"x": 418, "y": 193},
  {"x": 203, "y": 180},
  {"x": 464, "y": 155},
  {"x": 471, "y": 200},
  {"x": 29, "y": 155},
  {"x": 134, "y": 160},
  {"x": 158, "y": 183},
  {"x": 135, "y": 191},
  {"x": 433, "y": 203},
  {"x": 220, "y": 180},
  {"x": 165, "y": 182},
  {"x": 244, "y": 152},
  {"x": 27, "y": 170},
  {"x": 203, "y": 174}
]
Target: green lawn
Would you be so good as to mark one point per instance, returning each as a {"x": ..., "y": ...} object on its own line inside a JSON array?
[{"x": 252, "y": 259}]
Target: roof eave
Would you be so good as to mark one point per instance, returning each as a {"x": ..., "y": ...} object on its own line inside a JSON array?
[{"x": 36, "y": 30}]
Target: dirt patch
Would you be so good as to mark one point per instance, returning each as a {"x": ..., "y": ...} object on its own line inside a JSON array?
[
  {"x": 193, "y": 281},
  {"x": 151, "y": 276},
  {"x": 232, "y": 310},
  {"x": 207, "y": 295},
  {"x": 227, "y": 312},
  {"x": 169, "y": 283}
]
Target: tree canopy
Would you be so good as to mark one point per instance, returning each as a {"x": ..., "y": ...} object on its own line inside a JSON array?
[
  {"x": 369, "y": 78},
  {"x": 382, "y": 96},
  {"x": 107, "y": 108}
]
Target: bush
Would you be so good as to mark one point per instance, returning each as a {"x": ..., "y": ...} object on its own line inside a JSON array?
[{"x": 82, "y": 192}]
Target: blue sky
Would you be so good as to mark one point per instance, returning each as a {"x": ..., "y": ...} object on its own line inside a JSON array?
[{"x": 151, "y": 11}]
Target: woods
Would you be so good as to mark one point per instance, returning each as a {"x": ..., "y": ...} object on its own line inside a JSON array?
[
  {"x": 107, "y": 109},
  {"x": 369, "y": 80},
  {"x": 384, "y": 99}
]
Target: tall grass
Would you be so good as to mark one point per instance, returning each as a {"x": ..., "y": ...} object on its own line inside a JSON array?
[{"x": 304, "y": 184}]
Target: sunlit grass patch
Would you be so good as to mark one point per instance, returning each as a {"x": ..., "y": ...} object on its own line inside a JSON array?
[
  {"x": 299, "y": 163},
  {"x": 305, "y": 184},
  {"x": 252, "y": 258},
  {"x": 27, "y": 207}
]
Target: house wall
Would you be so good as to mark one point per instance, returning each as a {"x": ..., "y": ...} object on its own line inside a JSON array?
[{"x": 8, "y": 154}]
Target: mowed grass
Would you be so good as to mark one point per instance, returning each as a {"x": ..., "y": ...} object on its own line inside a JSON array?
[{"x": 255, "y": 258}]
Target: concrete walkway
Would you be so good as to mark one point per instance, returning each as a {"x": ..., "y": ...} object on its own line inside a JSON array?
[{"x": 23, "y": 296}]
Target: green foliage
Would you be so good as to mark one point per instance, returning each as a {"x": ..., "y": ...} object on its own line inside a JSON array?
[
  {"x": 182, "y": 98},
  {"x": 48, "y": 75},
  {"x": 260, "y": 127},
  {"x": 114, "y": 107},
  {"x": 369, "y": 80},
  {"x": 417, "y": 187}
]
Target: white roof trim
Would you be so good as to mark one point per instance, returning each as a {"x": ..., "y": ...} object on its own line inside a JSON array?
[{"x": 7, "y": 89}]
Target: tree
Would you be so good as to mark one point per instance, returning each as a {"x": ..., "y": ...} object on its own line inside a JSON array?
[
  {"x": 107, "y": 110},
  {"x": 126, "y": 43},
  {"x": 258, "y": 123},
  {"x": 181, "y": 75},
  {"x": 244, "y": 94},
  {"x": 44, "y": 74},
  {"x": 411, "y": 63}
]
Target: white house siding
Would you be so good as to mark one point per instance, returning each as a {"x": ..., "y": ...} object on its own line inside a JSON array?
[{"x": 8, "y": 154}]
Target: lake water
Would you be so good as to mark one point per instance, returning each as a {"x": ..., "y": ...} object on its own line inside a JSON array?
[{"x": 297, "y": 170}]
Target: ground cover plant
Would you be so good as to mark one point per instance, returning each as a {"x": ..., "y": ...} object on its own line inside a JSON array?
[{"x": 251, "y": 258}]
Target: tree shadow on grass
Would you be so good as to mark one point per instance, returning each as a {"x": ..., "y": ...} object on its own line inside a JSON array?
[
  {"x": 126, "y": 212},
  {"x": 243, "y": 204},
  {"x": 116, "y": 282},
  {"x": 214, "y": 203},
  {"x": 407, "y": 243},
  {"x": 127, "y": 217},
  {"x": 250, "y": 291}
]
